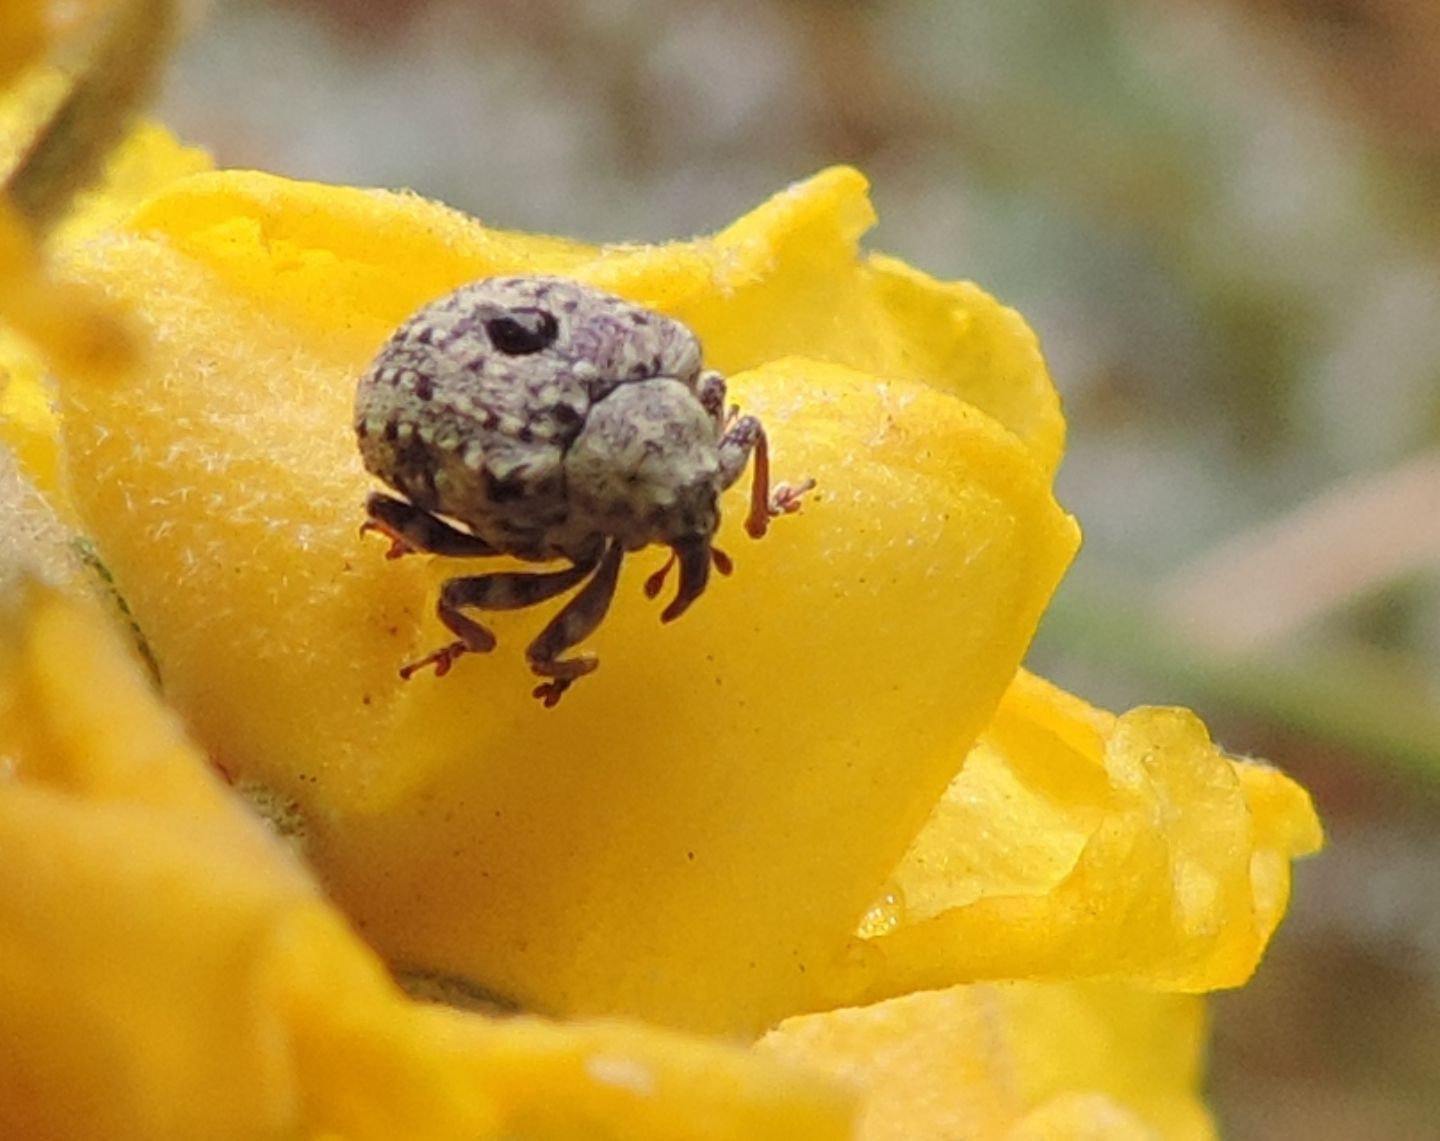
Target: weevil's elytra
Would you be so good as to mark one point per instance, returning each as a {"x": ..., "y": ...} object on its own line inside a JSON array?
[{"x": 554, "y": 423}]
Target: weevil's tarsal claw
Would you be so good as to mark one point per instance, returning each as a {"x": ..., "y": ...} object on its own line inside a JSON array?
[
  {"x": 386, "y": 516},
  {"x": 786, "y": 500},
  {"x": 721, "y": 561},
  {"x": 398, "y": 546},
  {"x": 442, "y": 659},
  {"x": 694, "y": 574},
  {"x": 550, "y": 692}
]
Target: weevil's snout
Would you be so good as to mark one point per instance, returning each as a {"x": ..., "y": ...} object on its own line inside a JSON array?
[{"x": 694, "y": 559}]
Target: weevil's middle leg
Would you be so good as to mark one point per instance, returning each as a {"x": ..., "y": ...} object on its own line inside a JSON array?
[
  {"x": 577, "y": 621},
  {"x": 506, "y": 590},
  {"x": 411, "y": 529}
]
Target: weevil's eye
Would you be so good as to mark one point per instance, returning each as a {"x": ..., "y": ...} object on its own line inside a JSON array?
[{"x": 522, "y": 331}]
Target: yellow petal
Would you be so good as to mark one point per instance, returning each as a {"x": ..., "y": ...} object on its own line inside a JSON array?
[
  {"x": 148, "y": 159},
  {"x": 1075, "y": 844},
  {"x": 1089, "y": 1117},
  {"x": 71, "y": 328},
  {"x": 24, "y": 36},
  {"x": 786, "y": 279},
  {"x": 339, "y": 267},
  {"x": 736, "y": 817},
  {"x": 71, "y": 324},
  {"x": 29, "y": 428},
  {"x": 167, "y": 971},
  {"x": 1014, "y": 1061},
  {"x": 29, "y": 27},
  {"x": 30, "y": 90},
  {"x": 691, "y": 802},
  {"x": 789, "y": 278},
  {"x": 130, "y": 904}
]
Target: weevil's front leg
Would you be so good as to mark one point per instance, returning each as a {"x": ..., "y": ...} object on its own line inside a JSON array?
[
  {"x": 742, "y": 438},
  {"x": 503, "y": 591},
  {"x": 572, "y": 625},
  {"x": 710, "y": 391},
  {"x": 411, "y": 529}
]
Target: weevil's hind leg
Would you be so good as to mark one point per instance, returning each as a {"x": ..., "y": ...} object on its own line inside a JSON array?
[
  {"x": 411, "y": 529},
  {"x": 572, "y": 625},
  {"x": 744, "y": 436},
  {"x": 502, "y": 591}
]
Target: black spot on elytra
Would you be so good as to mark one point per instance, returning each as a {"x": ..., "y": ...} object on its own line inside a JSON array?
[
  {"x": 392, "y": 430},
  {"x": 639, "y": 319},
  {"x": 424, "y": 388},
  {"x": 362, "y": 430},
  {"x": 522, "y": 331}
]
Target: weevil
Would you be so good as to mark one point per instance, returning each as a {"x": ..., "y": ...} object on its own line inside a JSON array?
[{"x": 545, "y": 420}]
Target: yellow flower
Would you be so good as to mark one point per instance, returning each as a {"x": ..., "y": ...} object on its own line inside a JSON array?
[
  {"x": 1022, "y": 1061},
  {"x": 665, "y": 842},
  {"x": 828, "y": 786},
  {"x": 1075, "y": 844},
  {"x": 167, "y": 970},
  {"x": 71, "y": 327}
]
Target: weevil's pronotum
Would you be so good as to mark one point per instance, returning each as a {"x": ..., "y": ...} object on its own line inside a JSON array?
[{"x": 553, "y": 422}]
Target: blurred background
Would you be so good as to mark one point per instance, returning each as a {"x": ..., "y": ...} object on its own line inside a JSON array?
[{"x": 1222, "y": 217}]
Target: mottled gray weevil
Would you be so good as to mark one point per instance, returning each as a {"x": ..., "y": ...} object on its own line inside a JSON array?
[{"x": 553, "y": 422}]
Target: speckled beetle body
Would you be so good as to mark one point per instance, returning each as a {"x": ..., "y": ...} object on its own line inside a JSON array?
[{"x": 554, "y": 422}]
